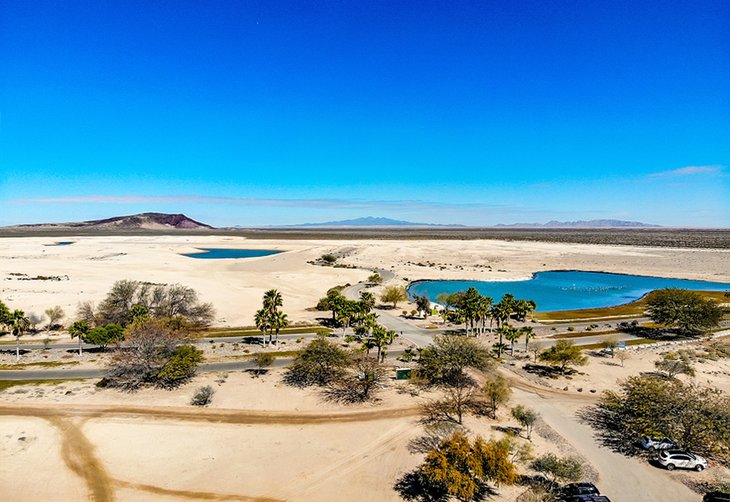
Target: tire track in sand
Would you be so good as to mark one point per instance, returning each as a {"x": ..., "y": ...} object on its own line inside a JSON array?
[
  {"x": 79, "y": 455},
  {"x": 188, "y": 494},
  {"x": 78, "y": 452},
  {"x": 224, "y": 416}
]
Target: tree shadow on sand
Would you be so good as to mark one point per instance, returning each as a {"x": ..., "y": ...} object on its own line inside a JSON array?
[
  {"x": 547, "y": 371},
  {"x": 609, "y": 430},
  {"x": 412, "y": 486}
]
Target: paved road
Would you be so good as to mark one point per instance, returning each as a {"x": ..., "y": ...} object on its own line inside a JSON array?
[
  {"x": 56, "y": 374},
  {"x": 198, "y": 341},
  {"x": 390, "y": 319},
  {"x": 621, "y": 478}
]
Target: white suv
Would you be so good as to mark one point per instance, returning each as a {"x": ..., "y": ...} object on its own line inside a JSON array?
[{"x": 682, "y": 459}]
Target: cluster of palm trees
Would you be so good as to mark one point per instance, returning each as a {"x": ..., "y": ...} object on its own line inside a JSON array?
[
  {"x": 269, "y": 319},
  {"x": 14, "y": 322},
  {"x": 474, "y": 309},
  {"x": 358, "y": 315}
]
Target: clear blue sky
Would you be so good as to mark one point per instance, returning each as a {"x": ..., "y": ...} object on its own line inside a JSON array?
[{"x": 272, "y": 112}]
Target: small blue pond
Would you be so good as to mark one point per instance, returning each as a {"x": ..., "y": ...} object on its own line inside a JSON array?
[
  {"x": 568, "y": 290},
  {"x": 62, "y": 243},
  {"x": 221, "y": 253}
]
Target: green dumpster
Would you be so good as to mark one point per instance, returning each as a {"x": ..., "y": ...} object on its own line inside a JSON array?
[{"x": 402, "y": 373}]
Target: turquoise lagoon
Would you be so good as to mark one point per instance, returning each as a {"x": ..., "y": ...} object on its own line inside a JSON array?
[
  {"x": 224, "y": 253},
  {"x": 568, "y": 290}
]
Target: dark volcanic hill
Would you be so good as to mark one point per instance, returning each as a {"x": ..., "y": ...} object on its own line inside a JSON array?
[{"x": 149, "y": 221}]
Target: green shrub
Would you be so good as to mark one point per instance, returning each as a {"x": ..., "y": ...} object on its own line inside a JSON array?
[{"x": 180, "y": 367}]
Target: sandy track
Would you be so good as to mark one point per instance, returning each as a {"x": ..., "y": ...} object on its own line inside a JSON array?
[
  {"x": 79, "y": 453},
  {"x": 204, "y": 415},
  {"x": 188, "y": 494}
]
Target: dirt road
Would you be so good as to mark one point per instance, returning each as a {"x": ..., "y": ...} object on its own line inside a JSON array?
[{"x": 621, "y": 478}]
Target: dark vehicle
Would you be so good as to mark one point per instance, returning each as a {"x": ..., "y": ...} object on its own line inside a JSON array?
[
  {"x": 716, "y": 497},
  {"x": 579, "y": 492}
]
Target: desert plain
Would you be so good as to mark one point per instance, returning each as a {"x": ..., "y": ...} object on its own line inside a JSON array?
[{"x": 261, "y": 439}]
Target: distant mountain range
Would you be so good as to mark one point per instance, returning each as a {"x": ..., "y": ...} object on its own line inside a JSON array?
[
  {"x": 146, "y": 221},
  {"x": 584, "y": 224},
  {"x": 371, "y": 221},
  {"x": 163, "y": 221}
]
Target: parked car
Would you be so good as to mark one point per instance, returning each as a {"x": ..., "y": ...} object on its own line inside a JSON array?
[
  {"x": 586, "y": 498},
  {"x": 649, "y": 443},
  {"x": 716, "y": 497},
  {"x": 580, "y": 492},
  {"x": 681, "y": 459}
]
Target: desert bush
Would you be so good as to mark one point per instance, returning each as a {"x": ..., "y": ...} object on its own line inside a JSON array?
[
  {"x": 375, "y": 278},
  {"x": 448, "y": 357},
  {"x": 497, "y": 390},
  {"x": 54, "y": 314},
  {"x": 122, "y": 304},
  {"x": 682, "y": 309},
  {"x": 526, "y": 417},
  {"x": 359, "y": 383},
  {"x": 151, "y": 354},
  {"x": 262, "y": 360},
  {"x": 674, "y": 364},
  {"x": 567, "y": 469},
  {"x": 203, "y": 396},
  {"x": 459, "y": 468},
  {"x": 695, "y": 416},
  {"x": 180, "y": 366},
  {"x": 394, "y": 294},
  {"x": 564, "y": 354},
  {"x": 104, "y": 335},
  {"x": 318, "y": 364}
]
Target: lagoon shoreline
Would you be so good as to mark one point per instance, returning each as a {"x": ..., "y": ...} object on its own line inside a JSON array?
[{"x": 235, "y": 286}]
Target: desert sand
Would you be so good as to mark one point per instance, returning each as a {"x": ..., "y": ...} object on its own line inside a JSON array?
[
  {"x": 260, "y": 439},
  {"x": 90, "y": 266}
]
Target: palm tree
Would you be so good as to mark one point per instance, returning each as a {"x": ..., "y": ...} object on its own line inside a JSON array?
[
  {"x": 523, "y": 308},
  {"x": 272, "y": 301},
  {"x": 505, "y": 330},
  {"x": 278, "y": 322},
  {"x": 528, "y": 333},
  {"x": 262, "y": 318},
  {"x": 512, "y": 335},
  {"x": 499, "y": 348},
  {"x": 380, "y": 338},
  {"x": 470, "y": 307},
  {"x": 19, "y": 325},
  {"x": 483, "y": 309},
  {"x": 500, "y": 312},
  {"x": 367, "y": 301},
  {"x": 345, "y": 313},
  {"x": 505, "y": 308},
  {"x": 79, "y": 329}
]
